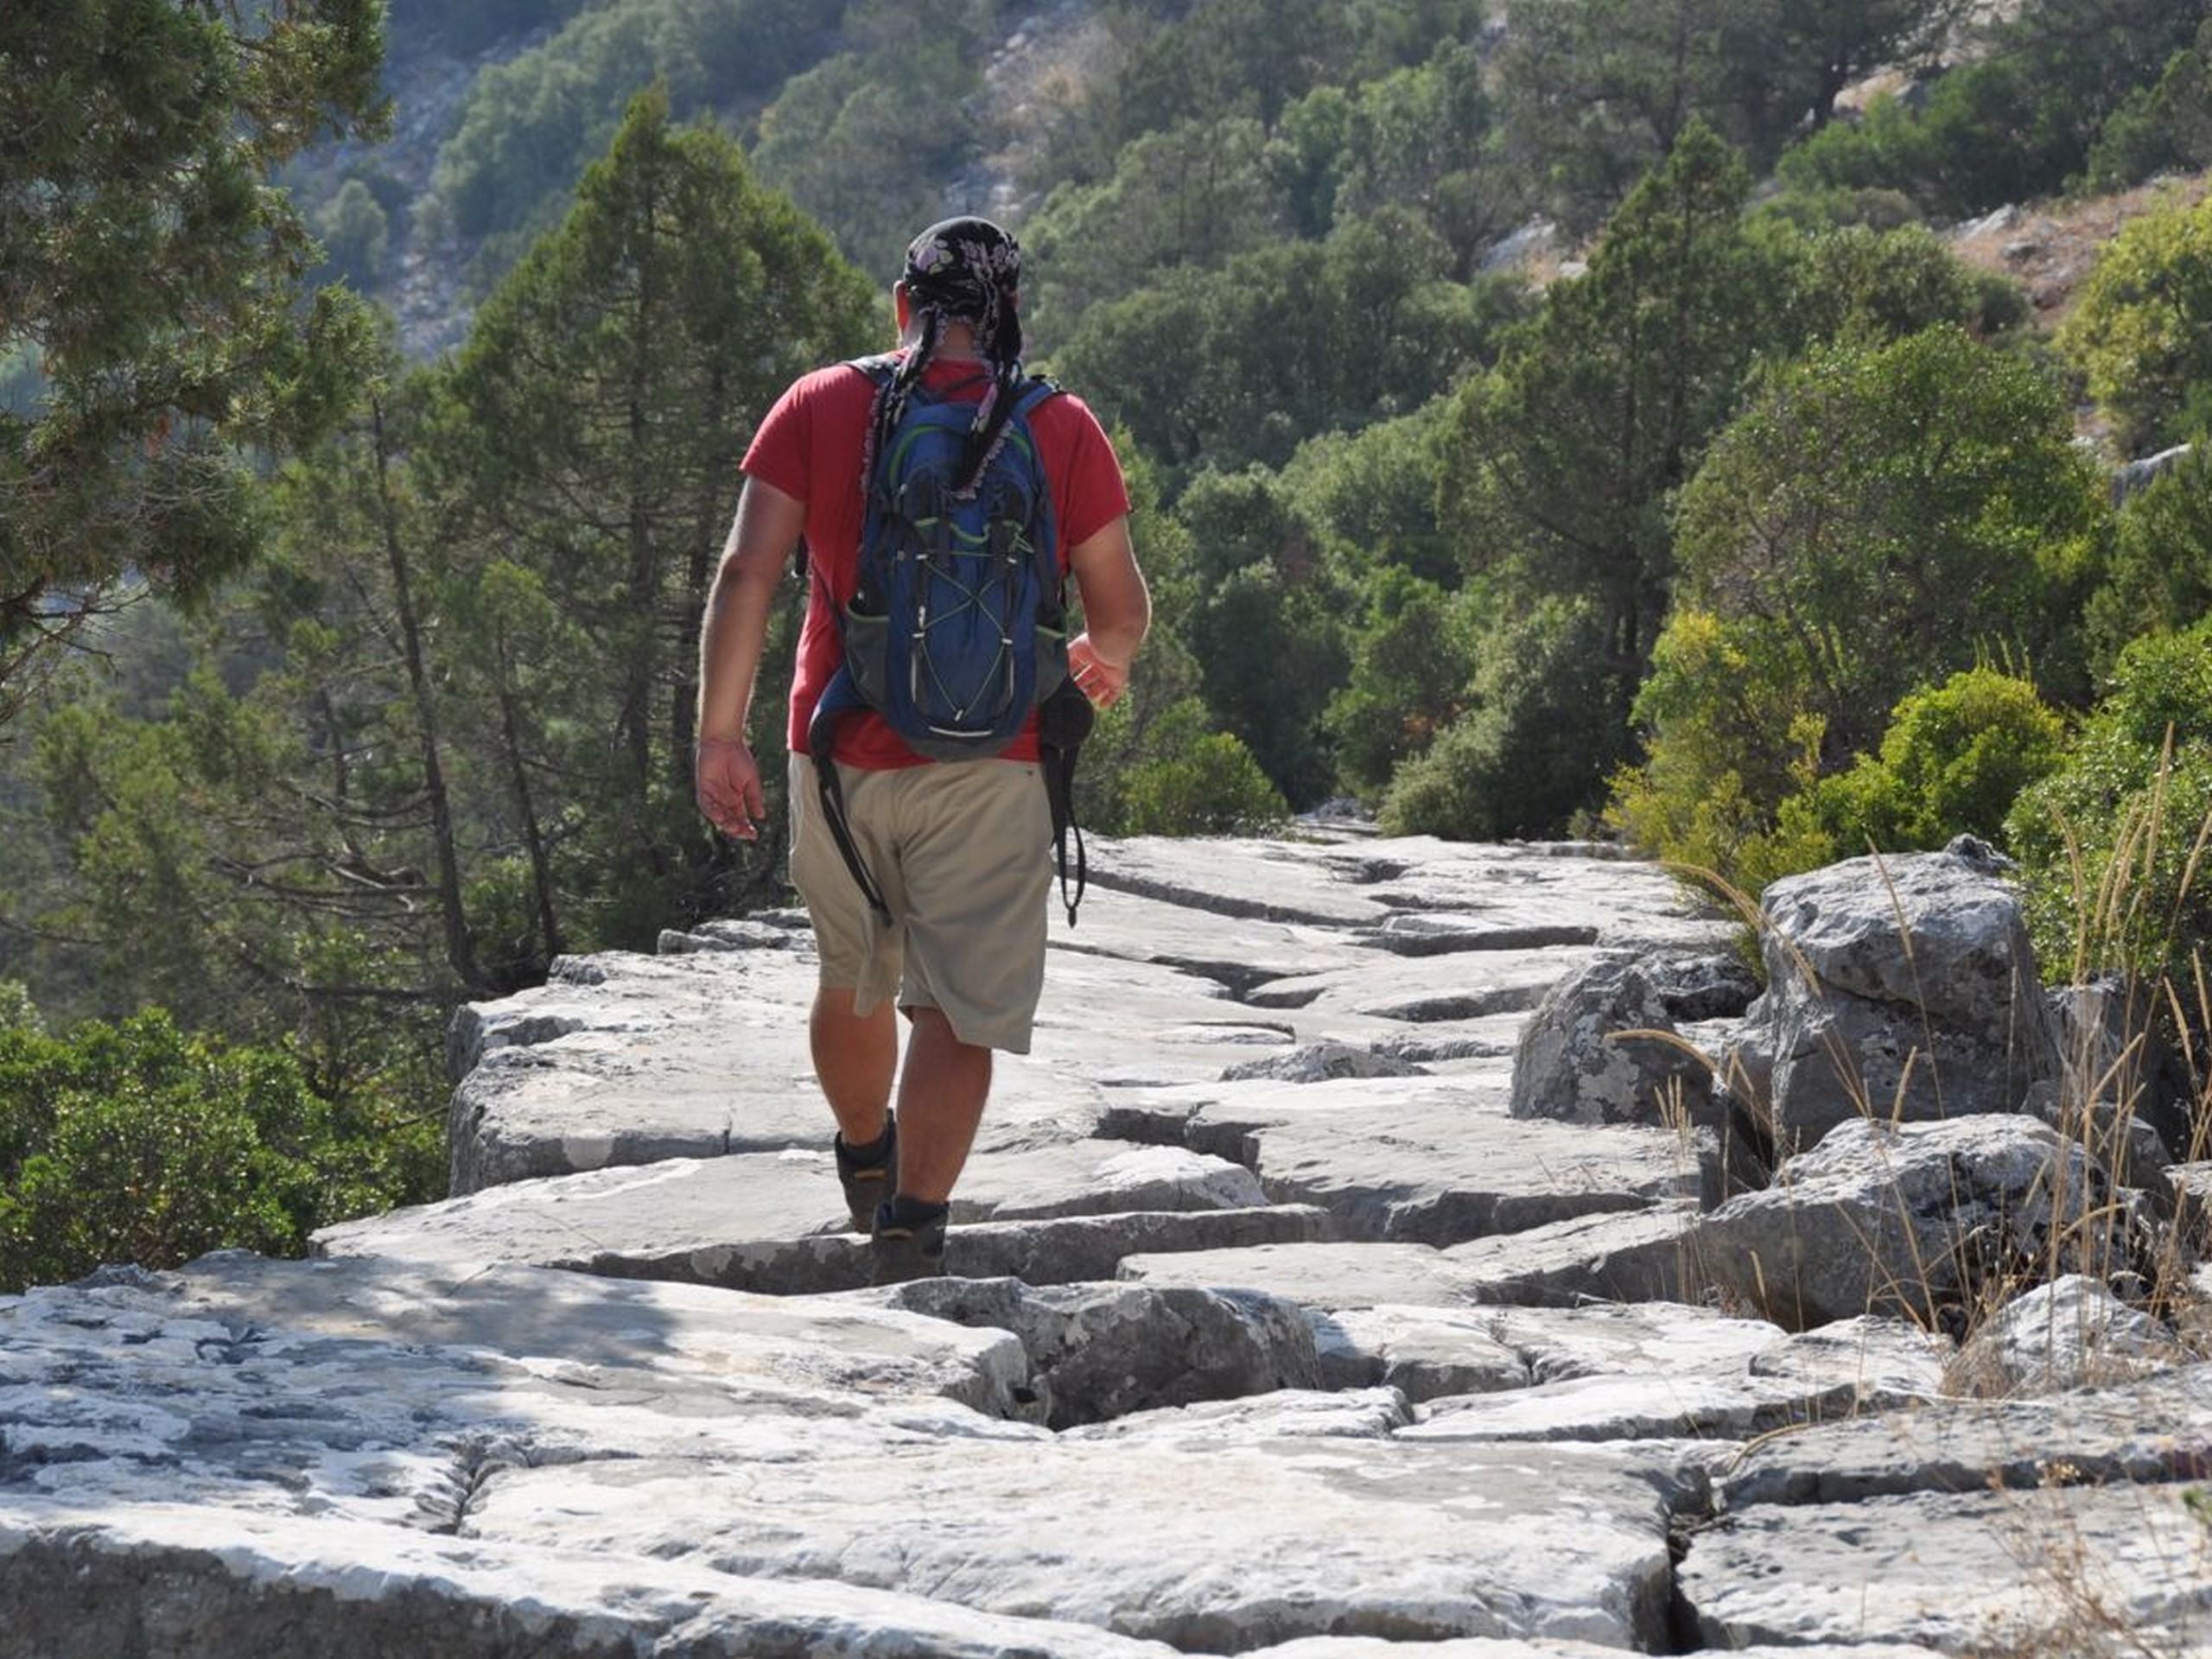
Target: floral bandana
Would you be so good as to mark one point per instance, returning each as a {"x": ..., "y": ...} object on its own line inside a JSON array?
[
  {"x": 969, "y": 270},
  {"x": 958, "y": 270}
]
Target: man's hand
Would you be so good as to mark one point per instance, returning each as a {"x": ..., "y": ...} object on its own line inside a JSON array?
[
  {"x": 727, "y": 779},
  {"x": 1101, "y": 681}
]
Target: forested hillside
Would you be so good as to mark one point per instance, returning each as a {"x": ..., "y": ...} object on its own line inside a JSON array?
[{"x": 1572, "y": 416}]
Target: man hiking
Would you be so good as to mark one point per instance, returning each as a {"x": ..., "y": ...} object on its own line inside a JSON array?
[{"x": 926, "y": 878}]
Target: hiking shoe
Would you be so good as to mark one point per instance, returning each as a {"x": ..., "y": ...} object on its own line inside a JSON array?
[
  {"x": 867, "y": 1185},
  {"x": 898, "y": 1251}
]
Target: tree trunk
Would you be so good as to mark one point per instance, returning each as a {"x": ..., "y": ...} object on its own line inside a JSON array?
[{"x": 461, "y": 945}]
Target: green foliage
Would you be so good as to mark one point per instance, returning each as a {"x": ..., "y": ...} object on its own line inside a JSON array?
[
  {"x": 355, "y": 234},
  {"x": 1562, "y": 461},
  {"x": 1231, "y": 367},
  {"x": 159, "y": 285},
  {"x": 480, "y": 24},
  {"x": 1598, "y": 92},
  {"x": 1953, "y": 761},
  {"x": 1420, "y": 140},
  {"x": 1501, "y": 769},
  {"x": 2020, "y": 121},
  {"x": 1267, "y": 633},
  {"x": 1189, "y": 779},
  {"x": 2162, "y": 128},
  {"x": 139, "y": 1143},
  {"x": 2113, "y": 843},
  {"x": 2159, "y": 579},
  {"x": 1412, "y": 654},
  {"x": 256, "y": 886},
  {"x": 18, "y": 1011},
  {"x": 2141, "y": 334},
  {"x": 531, "y": 125},
  {"x": 1731, "y": 743},
  {"x": 1369, "y": 496},
  {"x": 1878, "y": 559},
  {"x": 1833, "y": 559},
  {"x": 864, "y": 141},
  {"x": 1856, "y": 281},
  {"x": 592, "y": 428}
]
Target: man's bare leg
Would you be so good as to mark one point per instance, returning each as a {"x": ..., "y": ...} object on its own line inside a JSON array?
[
  {"x": 941, "y": 1096},
  {"x": 854, "y": 1056}
]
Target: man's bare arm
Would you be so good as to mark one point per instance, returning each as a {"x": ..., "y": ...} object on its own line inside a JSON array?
[
  {"x": 734, "y": 633},
  {"x": 1116, "y": 612}
]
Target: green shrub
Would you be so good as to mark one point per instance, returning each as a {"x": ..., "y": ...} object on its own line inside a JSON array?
[
  {"x": 1953, "y": 761},
  {"x": 1410, "y": 656},
  {"x": 1531, "y": 751},
  {"x": 1192, "y": 780},
  {"x": 2159, "y": 576},
  {"x": 2112, "y": 842},
  {"x": 2141, "y": 336},
  {"x": 1732, "y": 741},
  {"x": 139, "y": 1142}
]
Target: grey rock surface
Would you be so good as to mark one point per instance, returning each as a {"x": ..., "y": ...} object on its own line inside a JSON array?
[
  {"x": 1899, "y": 988},
  {"x": 1271, "y": 1331},
  {"x": 1602, "y": 1047},
  {"x": 1929, "y": 1220}
]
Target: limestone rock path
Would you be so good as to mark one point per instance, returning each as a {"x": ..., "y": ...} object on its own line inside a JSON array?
[{"x": 1273, "y": 1332}]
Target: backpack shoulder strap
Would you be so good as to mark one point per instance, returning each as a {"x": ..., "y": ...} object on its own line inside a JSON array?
[{"x": 1036, "y": 390}]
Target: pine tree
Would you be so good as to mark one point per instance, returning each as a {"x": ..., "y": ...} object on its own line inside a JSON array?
[
  {"x": 595, "y": 421},
  {"x": 152, "y": 333}
]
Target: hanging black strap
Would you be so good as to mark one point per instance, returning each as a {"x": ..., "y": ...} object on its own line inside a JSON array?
[
  {"x": 841, "y": 696},
  {"x": 1064, "y": 719}
]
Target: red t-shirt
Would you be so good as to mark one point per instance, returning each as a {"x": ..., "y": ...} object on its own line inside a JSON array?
[{"x": 809, "y": 447}]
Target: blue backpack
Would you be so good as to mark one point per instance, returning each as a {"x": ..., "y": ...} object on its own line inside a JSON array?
[{"x": 957, "y": 630}]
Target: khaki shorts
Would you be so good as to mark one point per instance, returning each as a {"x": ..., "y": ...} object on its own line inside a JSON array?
[{"x": 963, "y": 852}]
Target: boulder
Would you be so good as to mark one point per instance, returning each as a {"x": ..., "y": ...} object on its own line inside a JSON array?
[
  {"x": 1602, "y": 1047},
  {"x": 2114, "y": 1052},
  {"x": 1898, "y": 987},
  {"x": 2070, "y": 1333},
  {"x": 1938, "y": 1222}
]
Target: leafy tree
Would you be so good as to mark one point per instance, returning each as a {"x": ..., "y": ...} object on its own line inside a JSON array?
[
  {"x": 1563, "y": 459},
  {"x": 1731, "y": 741},
  {"x": 2139, "y": 334},
  {"x": 2019, "y": 120},
  {"x": 1411, "y": 658},
  {"x": 255, "y": 887},
  {"x": 151, "y": 288},
  {"x": 1854, "y": 281},
  {"x": 1599, "y": 92},
  {"x": 483, "y": 24},
  {"x": 1232, "y": 367},
  {"x": 1195, "y": 780},
  {"x": 1879, "y": 517},
  {"x": 355, "y": 233},
  {"x": 1369, "y": 496},
  {"x": 532, "y": 124},
  {"x": 1267, "y": 636},
  {"x": 1247, "y": 57},
  {"x": 1500, "y": 769},
  {"x": 865, "y": 140},
  {"x": 1421, "y": 140},
  {"x": 2162, "y": 128},
  {"x": 1189, "y": 197},
  {"x": 595, "y": 424},
  {"x": 1925, "y": 494},
  {"x": 2160, "y": 580}
]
